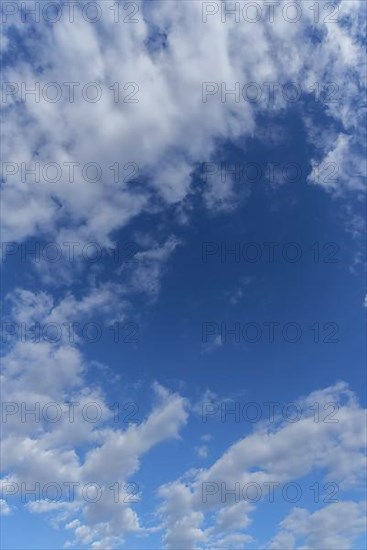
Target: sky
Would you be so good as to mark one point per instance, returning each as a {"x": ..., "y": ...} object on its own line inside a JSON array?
[{"x": 183, "y": 275}]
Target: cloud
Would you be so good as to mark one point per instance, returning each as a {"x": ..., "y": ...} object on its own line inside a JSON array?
[
  {"x": 274, "y": 453},
  {"x": 237, "y": 295},
  {"x": 116, "y": 159},
  {"x": 169, "y": 130},
  {"x": 202, "y": 451},
  {"x": 150, "y": 266},
  {"x": 342, "y": 167},
  {"x": 212, "y": 344},
  {"x": 74, "y": 449},
  {"x": 333, "y": 526},
  {"x": 5, "y": 509}
]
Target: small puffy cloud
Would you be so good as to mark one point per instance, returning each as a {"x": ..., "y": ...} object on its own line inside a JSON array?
[
  {"x": 5, "y": 509},
  {"x": 335, "y": 526},
  {"x": 212, "y": 344},
  {"x": 202, "y": 451}
]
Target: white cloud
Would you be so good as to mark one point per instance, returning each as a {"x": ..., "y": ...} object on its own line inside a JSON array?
[
  {"x": 166, "y": 134},
  {"x": 343, "y": 166},
  {"x": 202, "y": 451},
  {"x": 212, "y": 344},
  {"x": 75, "y": 451},
  {"x": 169, "y": 130},
  {"x": 335, "y": 526},
  {"x": 237, "y": 295},
  {"x": 275, "y": 453},
  {"x": 5, "y": 509},
  {"x": 150, "y": 266}
]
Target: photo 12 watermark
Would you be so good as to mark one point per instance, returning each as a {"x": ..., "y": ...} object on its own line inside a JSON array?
[
  {"x": 269, "y": 252},
  {"x": 269, "y": 491},
  {"x": 69, "y": 252},
  {"x": 270, "y": 332},
  {"x": 53, "y": 412},
  {"x": 68, "y": 92},
  {"x": 229, "y": 411},
  {"x": 70, "y": 332},
  {"x": 70, "y": 491},
  {"x": 269, "y": 11},
  {"x": 71, "y": 11},
  {"x": 275, "y": 172}
]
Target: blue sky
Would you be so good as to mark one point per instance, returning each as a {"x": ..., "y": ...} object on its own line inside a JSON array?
[{"x": 219, "y": 272}]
